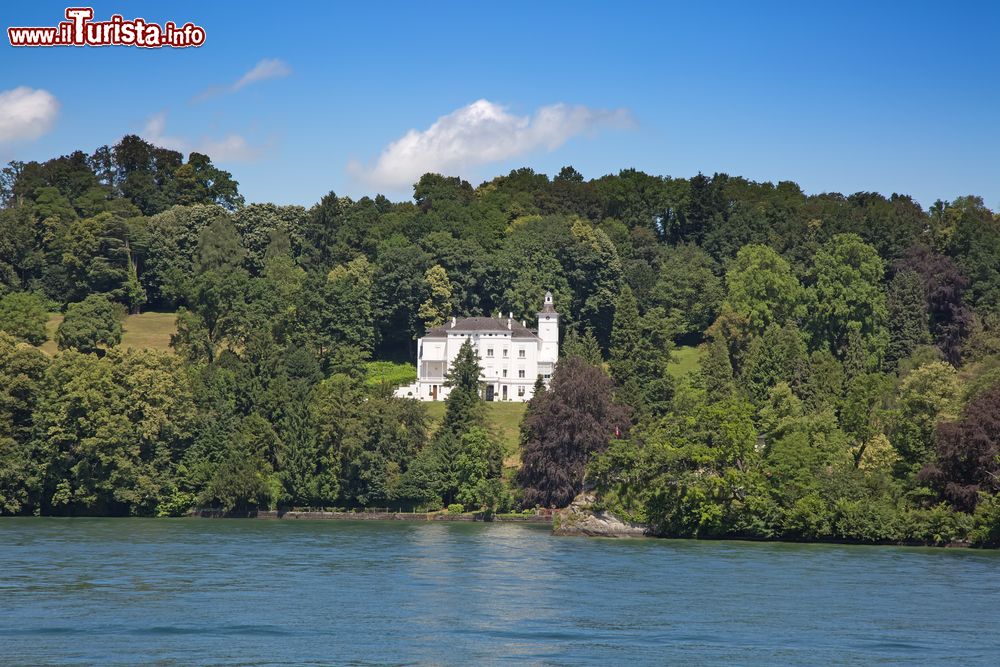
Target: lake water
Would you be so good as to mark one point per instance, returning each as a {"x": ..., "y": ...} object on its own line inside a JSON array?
[{"x": 200, "y": 591}]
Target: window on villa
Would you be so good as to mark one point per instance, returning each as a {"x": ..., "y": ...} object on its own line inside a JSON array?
[
  {"x": 505, "y": 353},
  {"x": 489, "y": 352},
  {"x": 520, "y": 391},
  {"x": 520, "y": 354},
  {"x": 520, "y": 373},
  {"x": 505, "y": 372}
]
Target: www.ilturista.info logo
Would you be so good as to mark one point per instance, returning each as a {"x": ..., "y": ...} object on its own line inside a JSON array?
[{"x": 81, "y": 30}]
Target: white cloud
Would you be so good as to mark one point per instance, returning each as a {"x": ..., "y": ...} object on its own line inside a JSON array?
[
  {"x": 268, "y": 68},
  {"x": 26, "y": 113},
  {"x": 480, "y": 133},
  {"x": 154, "y": 133},
  {"x": 231, "y": 148}
]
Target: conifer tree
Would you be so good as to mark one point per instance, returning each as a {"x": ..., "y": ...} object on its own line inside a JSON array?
[
  {"x": 437, "y": 472},
  {"x": 464, "y": 405},
  {"x": 908, "y": 317},
  {"x": 716, "y": 373},
  {"x": 640, "y": 352},
  {"x": 625, "y": 343},
  {"x": 584, "y": 346},
  {"x": 134, "y": 293}
]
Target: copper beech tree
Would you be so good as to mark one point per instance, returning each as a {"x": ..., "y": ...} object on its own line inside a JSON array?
[{"x": 565, "y": 425}]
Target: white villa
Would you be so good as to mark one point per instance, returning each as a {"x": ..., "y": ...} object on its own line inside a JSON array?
[{"x": 512, "y": 355}]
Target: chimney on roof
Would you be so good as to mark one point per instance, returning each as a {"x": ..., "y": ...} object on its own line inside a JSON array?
[
  {"x": 524, "y": 324},
  {"x": 508, "y": 323},
  {"x": 454, "y": 320}
]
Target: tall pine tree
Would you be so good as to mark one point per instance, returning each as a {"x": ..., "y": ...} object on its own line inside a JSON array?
[
  {"x": 639, "y": 354},
  {"x": 436, "y": 474},
  {"x": 908, "y": 317}
]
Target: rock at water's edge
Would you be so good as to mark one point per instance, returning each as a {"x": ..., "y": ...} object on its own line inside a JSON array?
[{"x": 580, "y": 519}]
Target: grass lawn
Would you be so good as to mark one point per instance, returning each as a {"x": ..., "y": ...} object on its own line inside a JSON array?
[
  {"x": 505, "y": 418},
  {"x": 145, "y": 331},
  {"x": 685, "y": 361}
]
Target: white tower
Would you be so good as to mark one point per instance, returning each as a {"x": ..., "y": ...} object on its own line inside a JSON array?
[{"x": 548, "y": 331}]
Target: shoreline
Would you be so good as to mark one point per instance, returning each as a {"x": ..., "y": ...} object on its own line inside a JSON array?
[
  {"x": 536, "y": 520},
  {"x": 308, "y": 515}
]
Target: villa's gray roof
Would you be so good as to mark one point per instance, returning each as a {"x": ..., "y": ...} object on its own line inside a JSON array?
[{"x": 482, "y": 325}]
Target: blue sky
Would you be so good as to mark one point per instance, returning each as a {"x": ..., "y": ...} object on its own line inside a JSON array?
[{"x": 890, "y": 97}]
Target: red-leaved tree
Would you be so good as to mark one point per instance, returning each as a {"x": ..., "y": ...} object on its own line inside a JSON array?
[
  {"x": 968, "y": 453},
  {"x": 566, "y": 424}
]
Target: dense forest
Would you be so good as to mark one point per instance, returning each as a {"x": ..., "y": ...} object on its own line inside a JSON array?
[{"x": 848, "y": 385}]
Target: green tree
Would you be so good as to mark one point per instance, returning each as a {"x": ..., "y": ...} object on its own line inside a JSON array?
[
  {"x": 172, "y": 245},
  {"x": 435, "y": 310},
  {"x": 219, "y": 247},
  {"x": 321, "y": 228},
  {"x": 22, "y": 255},
  {"x": 761, "y": 288},
  {"x": 865, "y": 412},
  {"x": 927, "y": 395},
  {"x": 691, "y": 475},
  {"x": 777, "y": 355},
  {"x": 907, "y": 315},
  {"x": 337, "y": 313},
  {"x": 133, "y": 292},
  {"x": 92, "y": 325},
  {"x": 218, "y": 317},
  {"x": 715, "y": 375},
  {"x": 392, "y": 433},
  {"x": 22, "y": 385},
  {"x": 594, "y": 271},
  {"x": 23, "y": 315},
  {"x": 113, "y": 429},
  {"x": 480, "y": 472},
  {"x": 399, "y": 289},
  {"x": 626, "y": 333},
  {"x": 823, "y": 388},
  {"x": 242, "y": 481},
  {"x": 639, "y": 354},
  {"x": 584, "y": 346},
  {"x": 975, "y": 245},
  {"x": 688, "y": 289},
  {"x": 435, "y": 474},
  {"x": 464, "y": 407},
  {"x": 847, "y": 294}
]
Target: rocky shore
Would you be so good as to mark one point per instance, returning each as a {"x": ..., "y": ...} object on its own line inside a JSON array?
[{"x": 580, "y": 518}]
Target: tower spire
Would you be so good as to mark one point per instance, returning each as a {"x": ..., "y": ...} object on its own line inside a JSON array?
[{"x": 548, "y": 306}]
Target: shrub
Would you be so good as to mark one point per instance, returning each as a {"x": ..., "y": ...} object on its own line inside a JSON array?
[
  {"x": 986, "y": 522},
  {"x": 866, "y": 520},
  {"x": 937, "y": 525},
  {"x": 456, "y": 508},
  {"x": 808, "y": 518},
  {"x": 178, "y": 503}
]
